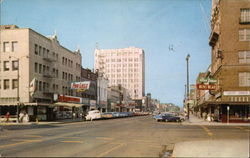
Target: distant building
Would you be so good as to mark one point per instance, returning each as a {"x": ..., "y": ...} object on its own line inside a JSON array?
[
  {"x": 230, "y": 65},
  {"x": 123, "y": 67},
  {"x": 90, "y": 95},
  {"x": 34, "y": 68},
  {"x": 102, "y": 93}
]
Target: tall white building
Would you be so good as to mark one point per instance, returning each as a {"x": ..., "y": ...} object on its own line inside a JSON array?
[{"x": 123, "y": 66}]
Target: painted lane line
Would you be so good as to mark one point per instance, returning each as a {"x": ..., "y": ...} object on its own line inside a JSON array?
[
  {"x": 104, "y": 138},
  {"x": 71, "y": 137},
  {"x": 209, "y": 133},
  {"x": 47, "y": 139},
  {"x": 144, "y": 141},
  {"x": 27, "y": 140},
  {"x": 33, "y": 136},
  {"x": 71, "y": 141},
  {"x": 112, "y": 149},
  {"x": 9, "y": 145}
]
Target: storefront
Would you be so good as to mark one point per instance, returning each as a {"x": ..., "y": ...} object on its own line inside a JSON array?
[
  {"x": 236, "y": 113},
  {"x": 232, "y": 112},
  {"x": 68, "y": 107}
]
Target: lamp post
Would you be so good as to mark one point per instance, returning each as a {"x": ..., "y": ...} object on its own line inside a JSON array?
[{"x": 187, "y": 59}]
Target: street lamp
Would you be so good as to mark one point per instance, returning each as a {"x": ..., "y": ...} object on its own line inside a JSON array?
[{"x": 187, "y": 59}]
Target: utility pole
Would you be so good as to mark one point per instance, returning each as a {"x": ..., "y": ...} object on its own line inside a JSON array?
[
  {"x": 187, "y": 59},
  {"x": 18, "y": 96}
]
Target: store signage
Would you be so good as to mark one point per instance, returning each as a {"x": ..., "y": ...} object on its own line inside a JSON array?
[
  {"x": 206, "y": 87},
  {"x": 92, "y": 102},
  {"x": 236, "y": 93},
  {"x": 80, "y": 85},
  {"x": 208, "y": 80},
  {"x": 85, "y": 101},
  {"x": 69, "y": 99}
]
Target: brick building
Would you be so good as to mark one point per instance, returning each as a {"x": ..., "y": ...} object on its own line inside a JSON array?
[{"x": 230, "y": 65}]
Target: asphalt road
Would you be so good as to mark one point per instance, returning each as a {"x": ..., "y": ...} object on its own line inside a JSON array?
[{"x": 127, "y": 137}]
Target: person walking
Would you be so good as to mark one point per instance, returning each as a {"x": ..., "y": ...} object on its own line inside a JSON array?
[{"x": 7, "y": 116}]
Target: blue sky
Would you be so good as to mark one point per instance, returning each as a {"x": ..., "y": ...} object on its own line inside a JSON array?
[{"x": 149, "y": 24}]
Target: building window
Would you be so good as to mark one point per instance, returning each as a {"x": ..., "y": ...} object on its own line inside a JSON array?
[
  {"x": 56, "y": 73},
  {"x": 245, "y": 15},
  {"x": 6, "y": 46},
  {"x": 0, "y": 84},
  {"x": 6, "y": 65},
  {"x": 36, "y": 67},
  {"x": 244, "y": 79},
  {"x": 244, "y": 57},
  {"x": 44, "y": 69},
  {"x": 14, "y": 65},
  {"x": 40, "y": 68},
  {"x": 44, "y": 51},
  {"x": 6, "y": 84},
  {"x": 14, "y": 83},
  {"x": 14, "y": 46},
  {"x": 63, "y": 60},
  {"x": 40, "y": 86},
  {"x": 244, "y": 35},
  {"x": 44, "y": 86},
  {"x": 40, "y": 50},
  {"x": 36, "y": 49}
]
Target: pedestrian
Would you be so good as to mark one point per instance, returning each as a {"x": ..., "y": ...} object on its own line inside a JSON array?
[
  {"x": 74, "y": 115},
  {"x": 7, "y": 116},
  {"x": 21, "y": 115},
  {"x": 26, "y": 118}
]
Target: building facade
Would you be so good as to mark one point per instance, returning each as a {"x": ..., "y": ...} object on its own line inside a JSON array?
[
  {"x": 32, "y": 69},
  {"x": 102, "y": 92},
  {"x": 123, "y": 67},
  {"x": 230, "y": 65},
  {"x": 89, "y": 95}
]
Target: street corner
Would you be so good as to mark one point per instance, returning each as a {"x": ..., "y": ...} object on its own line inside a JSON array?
[{"x": 209, "y": 148}]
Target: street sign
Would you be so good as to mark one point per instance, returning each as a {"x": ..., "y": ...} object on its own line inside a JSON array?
[
  {"x": 208, "y": 80},
  {"x": 206, "y": 86}
]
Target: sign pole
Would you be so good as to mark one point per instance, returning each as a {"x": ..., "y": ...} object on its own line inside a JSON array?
[{"x": 228, "y": 108}]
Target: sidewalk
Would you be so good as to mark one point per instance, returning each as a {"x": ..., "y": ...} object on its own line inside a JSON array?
[
  {"x": 212, "y": 148},
  {"x": 14, "y": 125},
  {"x": 193, "y": 120}
]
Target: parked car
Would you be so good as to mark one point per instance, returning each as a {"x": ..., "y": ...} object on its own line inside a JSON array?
[
  {"x": 93, "y": 114},
  {"x": 115, "y": 114},
  {"x": 167, "y": 117},
  {"x": 107, "y": 115}
]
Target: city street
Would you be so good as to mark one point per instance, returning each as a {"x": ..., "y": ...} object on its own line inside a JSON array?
[{"x": 126, "y": 137}]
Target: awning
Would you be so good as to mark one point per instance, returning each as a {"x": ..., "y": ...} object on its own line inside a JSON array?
[
  {"x": 25, "y": 104},
  {"x": 68, "y": 104},
  {"x": 207, "y": 103}
]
